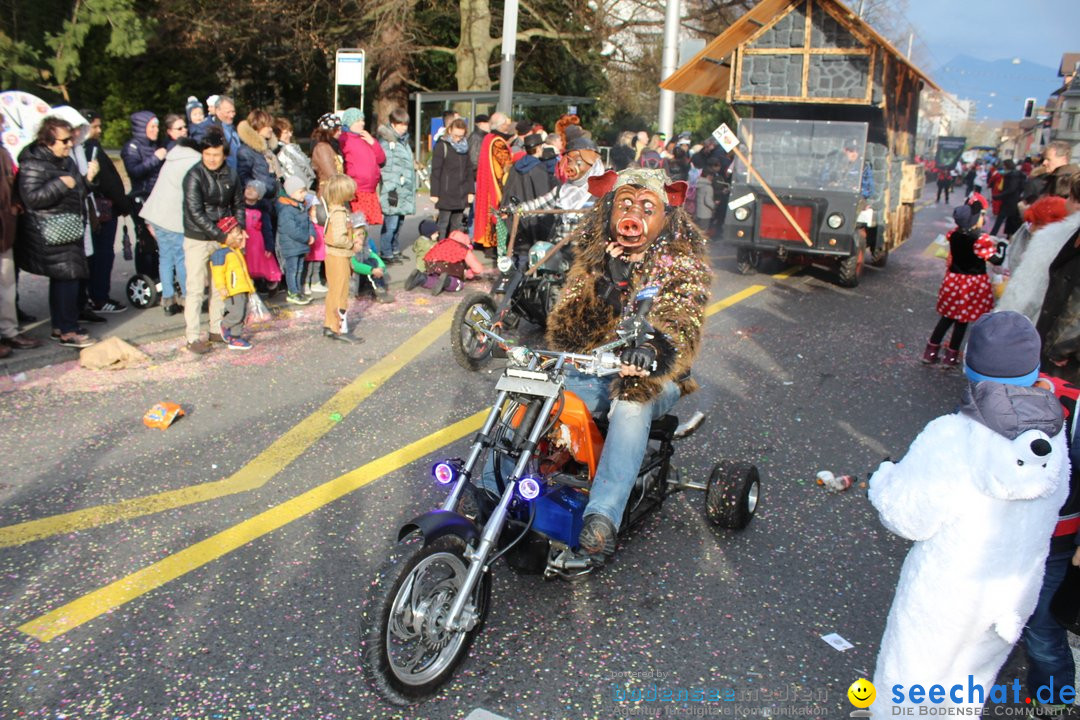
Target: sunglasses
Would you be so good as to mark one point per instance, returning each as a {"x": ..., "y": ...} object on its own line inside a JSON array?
[{"x": 67, "y": 140}]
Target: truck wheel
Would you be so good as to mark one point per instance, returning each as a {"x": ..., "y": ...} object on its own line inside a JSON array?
[
  {"x": 879, "y": 253},
  {"x": 732, "y": 494},
  {"x": 747, "y": 261},
  {"x": 851, "y": 267}
]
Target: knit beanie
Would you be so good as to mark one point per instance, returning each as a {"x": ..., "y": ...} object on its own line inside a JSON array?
[
  {"x": 192, "y": 103},
  {"x": 258, "y": 185},
  {"x": 358, "y": 219},
  {"x": 212, "y": 101},
  {"x": 428, "y": 228},
  {"x": 294, "y": 183},
  {"x": 350, "y": 116},
  {"x": 1003, "y": 347}
]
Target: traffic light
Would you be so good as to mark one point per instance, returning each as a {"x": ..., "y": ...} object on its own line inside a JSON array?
[{"x": 1029, "y": 108}]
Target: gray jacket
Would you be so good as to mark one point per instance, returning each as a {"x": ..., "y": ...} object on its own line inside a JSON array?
[{"x": 165, "y": 206}]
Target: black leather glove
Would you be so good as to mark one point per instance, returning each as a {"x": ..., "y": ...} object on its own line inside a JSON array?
[{"x": 643, "y": 357}]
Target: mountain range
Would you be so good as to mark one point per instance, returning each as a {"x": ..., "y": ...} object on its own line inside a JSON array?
[{"x": 998, "y": 87}]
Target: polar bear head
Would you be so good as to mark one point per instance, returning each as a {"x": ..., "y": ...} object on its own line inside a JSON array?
[{"x": 1022, "y": 469}]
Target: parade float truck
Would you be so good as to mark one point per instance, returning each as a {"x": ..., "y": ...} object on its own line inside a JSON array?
[{"x": 824, "y": 172}]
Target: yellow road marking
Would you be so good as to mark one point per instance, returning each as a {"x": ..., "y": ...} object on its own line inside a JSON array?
[
  {"x": 256, "y": 473},
  {"x": 732, "y": 299},
  {"x": 106, "y": 599},
  {"x": 785, "y": 274},
  {"x": 113, "y": 595}
]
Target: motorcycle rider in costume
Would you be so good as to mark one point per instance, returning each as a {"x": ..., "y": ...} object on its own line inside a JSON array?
[
  {"x": 581, "y": 162},
  {"x": 637, "y": 236}
]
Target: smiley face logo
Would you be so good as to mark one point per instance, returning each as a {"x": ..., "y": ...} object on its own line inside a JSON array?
[{"x": 862, "y": 693}]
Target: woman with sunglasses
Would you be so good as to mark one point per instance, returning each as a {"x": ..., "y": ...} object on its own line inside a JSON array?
[{"x": 52, "y": 228}]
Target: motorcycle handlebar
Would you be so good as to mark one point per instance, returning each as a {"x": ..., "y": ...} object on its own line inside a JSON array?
[{"x": 601, "y": 362}]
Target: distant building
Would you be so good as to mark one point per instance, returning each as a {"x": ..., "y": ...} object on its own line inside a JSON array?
[{"x": 1058, "y": 120}]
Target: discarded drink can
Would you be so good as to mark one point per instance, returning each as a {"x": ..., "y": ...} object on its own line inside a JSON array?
[{"x": 834, "y": 483}]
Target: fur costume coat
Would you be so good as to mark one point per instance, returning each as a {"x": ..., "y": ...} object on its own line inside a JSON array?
[
  {"x": 978, "y": 492},
  {"x": 1030, "y": 270},
  {"x": 675, "y": 262}
]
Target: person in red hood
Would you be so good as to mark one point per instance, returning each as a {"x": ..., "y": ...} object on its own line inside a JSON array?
[{"x": 363, "y": 158}]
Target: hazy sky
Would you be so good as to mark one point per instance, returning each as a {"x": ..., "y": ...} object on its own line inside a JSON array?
[{"x": 1037, "y": 30}]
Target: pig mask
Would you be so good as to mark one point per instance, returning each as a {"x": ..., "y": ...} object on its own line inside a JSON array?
[{"x": 639, "y": 210}]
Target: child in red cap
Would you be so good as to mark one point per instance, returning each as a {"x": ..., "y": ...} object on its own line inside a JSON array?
[{"x": 230, "y": 277}]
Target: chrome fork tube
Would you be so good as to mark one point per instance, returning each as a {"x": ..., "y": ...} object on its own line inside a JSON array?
[
  {"x": 495, "y": 522},
  {"x": 474, "y": 453}
]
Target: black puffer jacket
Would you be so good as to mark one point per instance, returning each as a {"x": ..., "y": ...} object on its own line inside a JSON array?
[
  {"x": 42, "y": 193},
  {"x": 210, "y": 195}
]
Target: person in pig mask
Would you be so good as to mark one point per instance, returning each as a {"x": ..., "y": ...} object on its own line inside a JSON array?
[{"x": 636, "y": 241}]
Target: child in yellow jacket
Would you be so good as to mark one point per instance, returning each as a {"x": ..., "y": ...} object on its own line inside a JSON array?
[{"x": 230, "y": 276}]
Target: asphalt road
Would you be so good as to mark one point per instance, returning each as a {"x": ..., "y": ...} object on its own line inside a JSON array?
[{"x": 215, "y": 569}]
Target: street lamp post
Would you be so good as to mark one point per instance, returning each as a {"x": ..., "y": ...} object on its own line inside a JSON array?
[
  {"x": 668, "y": 63},
  {"x": 509, "y": 49}
]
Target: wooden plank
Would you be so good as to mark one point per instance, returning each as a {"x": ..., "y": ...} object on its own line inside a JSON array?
[
  {"x": 740, "y": 98},
  {"x": 911, "y": 184},
  {"x": 811, "y": 51},
  {"x": 807, "y": 31}
]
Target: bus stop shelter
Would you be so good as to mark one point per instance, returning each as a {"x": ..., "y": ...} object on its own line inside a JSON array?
[{"x": 486, "y": 99}]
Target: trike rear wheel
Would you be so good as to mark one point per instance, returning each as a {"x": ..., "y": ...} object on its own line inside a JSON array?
[{"x": 732, "y": 494}]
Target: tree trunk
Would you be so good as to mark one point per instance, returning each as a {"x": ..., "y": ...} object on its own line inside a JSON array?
[
  {"x": 392, "y": 90},
  {"x": 473, "y": 53}
]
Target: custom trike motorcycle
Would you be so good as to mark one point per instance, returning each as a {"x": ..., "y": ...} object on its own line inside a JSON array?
[{"x": 534, "y": 460}]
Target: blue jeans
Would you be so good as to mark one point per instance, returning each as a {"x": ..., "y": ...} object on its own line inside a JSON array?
[
  {"x": 294, "y": 271},
  {"x": 1047, "y": 643},
  {"x": 171, "y": 267},
  {"x": 388, "y": 240},
  {"x": 624, "y": 447}
]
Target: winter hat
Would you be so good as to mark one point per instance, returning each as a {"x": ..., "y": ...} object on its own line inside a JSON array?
[
  {"x": 581, "y": 142},
  {"x": 1003, "y": 347},
  {"x": 523, "y": 127},
  {"x": 481, "y": 118},
  {"x": 965, "y": 216},
  {"x": 358, "y": 219},
  {"x": 350, "y": 116},
  {"x": 259, "y": 185},
  {"x": 329, "y": 121},
  {"x": 192, "y": 103},
  {"x": 532, "y": 141},
  {"x": 227, "y": 224},
  {"x": 212, "y": 101},
  {"x": 293, "y": 183},
  {"x": 428, "y": 228}
]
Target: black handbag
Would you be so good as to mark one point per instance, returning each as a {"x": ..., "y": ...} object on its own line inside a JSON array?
[
  {"x": 1065, "y": 605},
  {"x": 62, "y": 228}
]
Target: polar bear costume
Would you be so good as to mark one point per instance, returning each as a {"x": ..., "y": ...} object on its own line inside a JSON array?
[
  {"x": 1029, "y": 276},
  {"x": 979, "y": 493}
]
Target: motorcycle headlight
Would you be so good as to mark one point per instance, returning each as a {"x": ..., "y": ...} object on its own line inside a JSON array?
[
  {"x": 835, "y": 220},
  {"x": 741, "y": 213},
  {"x": 505, "y": 264},
  {"x": 529, "y": 488},
  {"x": 444, "y": 473}
]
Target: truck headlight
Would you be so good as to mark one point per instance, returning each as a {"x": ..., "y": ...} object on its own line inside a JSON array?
[
  {"x": 505, "y": 264},
  {"x": 742, "y": 213},
  {"x": 834, "y": 220}
]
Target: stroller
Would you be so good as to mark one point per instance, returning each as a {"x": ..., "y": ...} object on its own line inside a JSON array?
[{"x": 144, "y": 287}]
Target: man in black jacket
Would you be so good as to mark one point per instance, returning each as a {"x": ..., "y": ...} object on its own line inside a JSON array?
[
  {"x": 211, "y": 191},
  {"x": 1012, "y": 186}
]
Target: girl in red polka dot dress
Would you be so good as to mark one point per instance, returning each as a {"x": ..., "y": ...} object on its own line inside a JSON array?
[{"x": 965, "y": 293}]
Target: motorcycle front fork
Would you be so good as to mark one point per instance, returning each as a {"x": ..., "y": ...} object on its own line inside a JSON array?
[{"x": 457, "y": 620}]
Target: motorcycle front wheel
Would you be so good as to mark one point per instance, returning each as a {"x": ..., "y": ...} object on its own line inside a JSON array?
[
  {"x": 406, "y": 651},
  {"x": 471, "y": 349}
]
